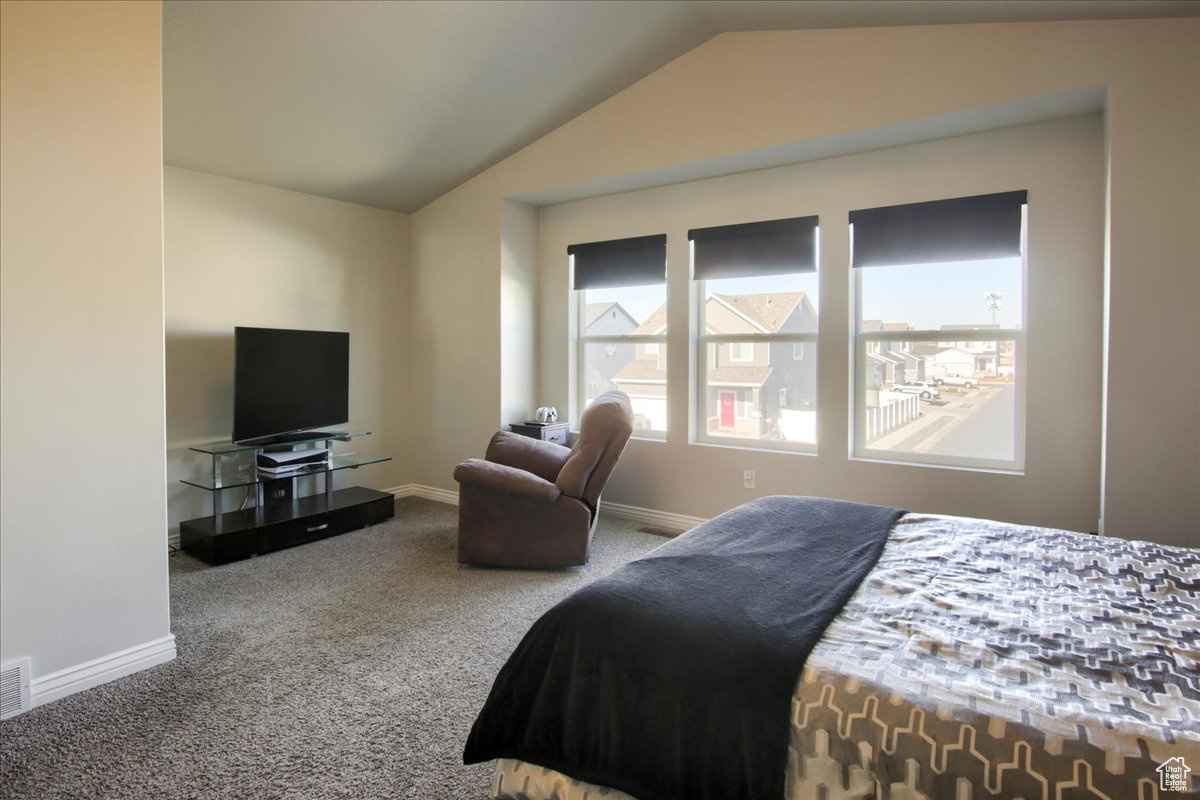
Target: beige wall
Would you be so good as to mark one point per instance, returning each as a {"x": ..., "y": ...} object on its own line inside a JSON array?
[
  {"x": 242, "y": 254},
  {"x": 83, "y": 563},
  {"x": 744, "y": 92},
  {"x": 518, "y": 310},
  {"x": 456, "y": 334},
  {"x": 1060, "y": 163}
]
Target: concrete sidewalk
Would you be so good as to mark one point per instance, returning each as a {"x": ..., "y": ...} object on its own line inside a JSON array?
[{"x": 933, "y": 420}]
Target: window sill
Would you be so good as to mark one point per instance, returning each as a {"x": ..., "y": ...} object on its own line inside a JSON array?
[
  {"x": 892, "y": 460},
  {"x": 638, "y": 436},
  {"x": 798, "y": 449}
]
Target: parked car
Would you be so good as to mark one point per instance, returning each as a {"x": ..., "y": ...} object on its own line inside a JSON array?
[
  {"x": 956, "y": 380},
  {"x": 925, "y": 390}
]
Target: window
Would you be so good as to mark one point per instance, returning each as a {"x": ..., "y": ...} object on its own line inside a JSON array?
[
  {"x": 622, "y": 325},
  {"x": 939, "y": 331},
  {"x": 757, "y": 287},
  {"x": 741, "y": 351}
]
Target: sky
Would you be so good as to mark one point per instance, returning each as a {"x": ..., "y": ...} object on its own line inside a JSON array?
[
  {"x": 928, "y": 296},
  {"x": 925, "y": 296}
]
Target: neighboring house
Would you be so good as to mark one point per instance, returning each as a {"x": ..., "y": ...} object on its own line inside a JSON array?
[
  {"x": 890, "y": 362},
  {"x": 644, "y": 378},
  {"x": 894, "y": 365},
  {"x": 748, "y": 385},
  {"x": 987, "y": 361},
  {"x": 941, "y": 360},
  {"x": 603, "y": 360},
  {"x": 914, "y": 366},
  {"x": 1007, "y": 364}
]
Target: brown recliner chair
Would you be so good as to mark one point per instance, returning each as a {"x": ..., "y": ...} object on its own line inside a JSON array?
[{"x": 531, "y": 503}]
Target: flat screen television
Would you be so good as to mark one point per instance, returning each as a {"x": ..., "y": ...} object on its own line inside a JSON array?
[{"x": 287, "y": 381}]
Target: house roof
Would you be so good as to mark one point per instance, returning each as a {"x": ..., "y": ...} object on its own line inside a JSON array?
[
  {"x": 647, "y": 370},
  {"x": 655, "y": 323},
  {"x": 769, "y": 311},
  {"x": 738, "y": 376},
  {"x": 984, "y": 326},
  {"x": 642, "y": 369},
  {"x": 897, "y": 326},
  {"x": 927, "y": 349},
  {"x": 594, "y": 311}
]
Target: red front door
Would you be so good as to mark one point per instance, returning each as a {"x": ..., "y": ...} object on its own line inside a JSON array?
[{"x": 727, "y": 399}]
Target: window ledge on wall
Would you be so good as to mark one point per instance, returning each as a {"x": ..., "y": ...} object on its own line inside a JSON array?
[
  {"x": 931, "y": 465},
  {"x": 801, "y": 450},
  {"x": 661, "y": 439}
]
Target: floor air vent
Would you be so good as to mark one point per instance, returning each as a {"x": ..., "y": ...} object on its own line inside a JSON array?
[{"x": 14, "y": 688}]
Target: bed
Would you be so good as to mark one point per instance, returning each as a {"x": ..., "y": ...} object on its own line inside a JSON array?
[{"x": 957, "y": 658}]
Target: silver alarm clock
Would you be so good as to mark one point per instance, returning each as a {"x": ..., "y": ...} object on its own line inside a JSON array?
[{"x": 546, "y": 414}]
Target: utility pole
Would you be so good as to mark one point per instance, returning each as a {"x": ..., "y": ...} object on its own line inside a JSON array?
[{"x": 993, "y": 299}]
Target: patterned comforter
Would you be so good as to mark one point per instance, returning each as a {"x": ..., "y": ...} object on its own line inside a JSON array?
[{"x": 985, "y": 660}]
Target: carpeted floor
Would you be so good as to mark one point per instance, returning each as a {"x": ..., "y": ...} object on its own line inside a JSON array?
[{"x": 347, "y": 668}]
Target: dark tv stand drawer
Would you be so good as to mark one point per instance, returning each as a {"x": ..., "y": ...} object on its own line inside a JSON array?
[{"x": 254, "y": 531}]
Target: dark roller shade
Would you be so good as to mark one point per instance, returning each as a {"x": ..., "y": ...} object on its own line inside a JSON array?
[
  {"x": 751, "y": 249},
  {"x": 639, "y": 261},
  {"x": 959, "y": 229}
]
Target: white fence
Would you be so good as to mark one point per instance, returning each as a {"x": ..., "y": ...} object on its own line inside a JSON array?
[
  {"x": 798, "y": 426},
  {"x": 887, "y": 418}
]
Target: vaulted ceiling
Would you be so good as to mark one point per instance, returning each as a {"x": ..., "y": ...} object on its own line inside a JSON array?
[{"x": 391, "y": 103}]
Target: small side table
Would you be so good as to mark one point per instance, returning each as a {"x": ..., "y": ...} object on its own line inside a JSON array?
[{"x": 557, "y": 432}]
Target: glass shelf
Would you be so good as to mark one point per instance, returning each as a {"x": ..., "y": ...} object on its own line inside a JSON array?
[
  {"x": 247, "y": 475},
  {"x": 223, "y": 448}
]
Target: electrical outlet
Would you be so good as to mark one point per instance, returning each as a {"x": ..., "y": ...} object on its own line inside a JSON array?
[{"x": 748, "y": 478}]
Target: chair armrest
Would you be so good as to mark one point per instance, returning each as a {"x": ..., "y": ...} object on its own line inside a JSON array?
[
  {"x": 506, "y": 480},
  {"x": 544, "y": 459}
]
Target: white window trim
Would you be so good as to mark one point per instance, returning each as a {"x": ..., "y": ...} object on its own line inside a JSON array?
[{"x": 1016, "y": 335}]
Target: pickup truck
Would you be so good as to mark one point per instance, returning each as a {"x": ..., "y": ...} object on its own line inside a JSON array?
[{"x": 956, "y": 380}]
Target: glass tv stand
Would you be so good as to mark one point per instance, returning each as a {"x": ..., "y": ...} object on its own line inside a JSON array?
[{"x": 279, "y": 517}]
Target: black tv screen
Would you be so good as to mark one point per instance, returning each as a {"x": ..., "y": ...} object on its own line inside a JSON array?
[{"x": 286, "y": 381}]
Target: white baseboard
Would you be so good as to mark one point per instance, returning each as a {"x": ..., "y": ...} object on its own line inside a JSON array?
[
  {"x": 447, "y": 496},
  {"x": 56, "y": 685},
  {"x": 663, "y": 520},
  {"x": 173, "y": 538}
]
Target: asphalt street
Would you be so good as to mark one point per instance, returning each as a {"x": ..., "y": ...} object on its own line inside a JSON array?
[{"x": 987, "y": 433}]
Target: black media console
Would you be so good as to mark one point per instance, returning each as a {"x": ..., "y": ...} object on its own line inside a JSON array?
[{"x": 279, "y": 518}]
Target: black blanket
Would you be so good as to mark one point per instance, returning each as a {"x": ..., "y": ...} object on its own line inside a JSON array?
[{"x": 671, "y": 679}]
